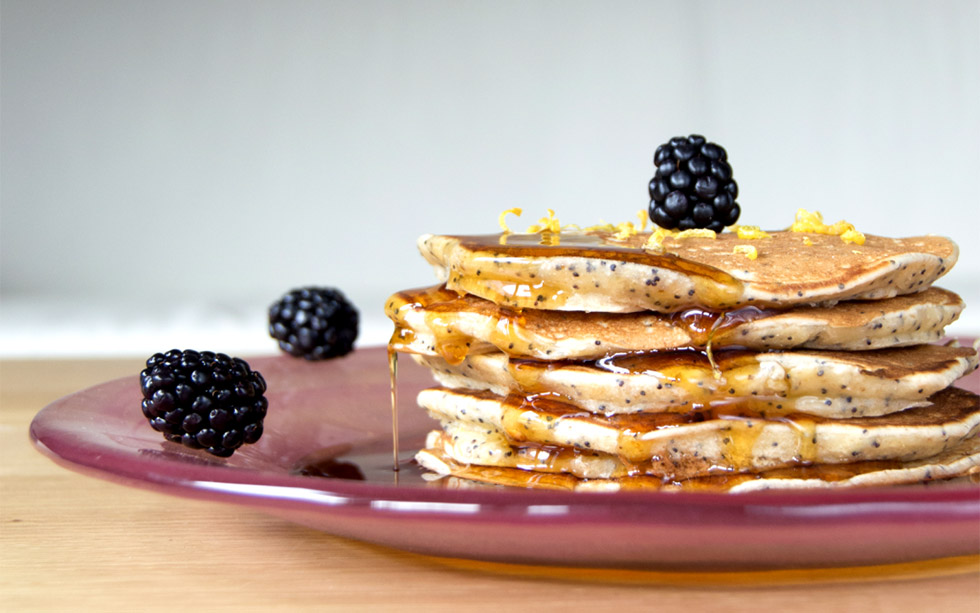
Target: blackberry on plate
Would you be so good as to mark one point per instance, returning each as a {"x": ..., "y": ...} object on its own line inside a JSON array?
[
  {"x": 693, "y": 186},
  {"x": 204, "y": 400},
  {"x": 314, "y": 323}
]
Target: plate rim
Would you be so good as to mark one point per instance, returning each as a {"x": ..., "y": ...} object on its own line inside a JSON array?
[{"x": 281, "y": 489}]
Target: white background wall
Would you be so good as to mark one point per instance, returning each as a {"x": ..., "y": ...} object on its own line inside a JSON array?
[{"x": 170, "y": 168}]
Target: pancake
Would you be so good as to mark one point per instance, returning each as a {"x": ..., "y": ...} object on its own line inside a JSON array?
[
  {"x": 483, "y": 428},
  {"x": 826, "y": 384},
  {"x": 606, "y": 359},
  {"x": 959, "y": 460},
  {"x": 438, "y": 321},
  {"x": 593, "y": 272}
]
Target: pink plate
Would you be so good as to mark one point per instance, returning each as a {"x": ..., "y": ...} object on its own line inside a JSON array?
[{"x": 318, "y": 410}]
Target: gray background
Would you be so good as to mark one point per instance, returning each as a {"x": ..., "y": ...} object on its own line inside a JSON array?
[{"x": 170, "y": 168}]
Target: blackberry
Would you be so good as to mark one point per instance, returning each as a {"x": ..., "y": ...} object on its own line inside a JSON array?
[
  {"x": 693, "y": 186},
  {"x": 204, "y": 400},
  {"x": 314, "y": 323}
]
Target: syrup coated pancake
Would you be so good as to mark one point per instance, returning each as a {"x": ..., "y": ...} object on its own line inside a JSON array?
[
  {"x": 959, "y": 460},
  {"x": 834, "y": 384},
  {"x": 483, "y": 428},
  {"x": 437, "y": 321},
  {"x": 592, "y": 272}
]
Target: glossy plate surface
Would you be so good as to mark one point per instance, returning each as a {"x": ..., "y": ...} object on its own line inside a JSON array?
[{"x": 318, "y": 410}]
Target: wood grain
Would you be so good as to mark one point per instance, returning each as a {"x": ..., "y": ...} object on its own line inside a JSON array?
[{"x": 71, "y": 542}]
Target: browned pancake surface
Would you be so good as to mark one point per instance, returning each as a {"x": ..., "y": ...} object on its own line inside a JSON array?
[
  {"x": 961, "y": 460},
  {"x": 438, "y": 321},
  {"x": 481, "y": 428},
  {"x": 837, "y": 384},
  {"x": 593, "y": 272}
]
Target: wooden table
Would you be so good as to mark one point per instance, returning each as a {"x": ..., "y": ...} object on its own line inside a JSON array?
[{"x": 71, "y": 542}]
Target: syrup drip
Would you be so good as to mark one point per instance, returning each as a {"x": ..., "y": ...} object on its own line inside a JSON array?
[
  {"x": 690, "y": 370},
  {"x": 806, "y": 437},
  {"x": 393, "y": 374},
  {"x": 440, "y": 307},
  {"x": 590, "y": 245},
  {"x": 530, "y": 416},
  {"x": 543, "y": 466},
  {"x": 515, "y": 477},
  {"x": 534, "y": 418},
  {"x": 373, "y": 466},
  {"x": 524, "y": 251},
  {"x": 514, "y": 292},
  {"x": 546, "y": 465},
  {"x": 704, "y": 326},
  {"x": 550, "y": 458}
]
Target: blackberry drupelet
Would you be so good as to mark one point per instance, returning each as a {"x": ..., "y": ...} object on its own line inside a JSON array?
[
  {"x": 204, "y": 400},
  {"x": 314, "y": 323},
  {"x": 693, "y": 186}
]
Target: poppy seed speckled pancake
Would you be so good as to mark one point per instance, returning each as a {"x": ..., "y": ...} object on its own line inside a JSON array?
[
  {"x": 837, "y": 384},
  {"x": 592, "y": 272},
  {"x": 604, "y": 360},
  {"x": 437, "y": 321},
  {"x": 525, "y": 468},
  {"x": 482, "y": 428}
]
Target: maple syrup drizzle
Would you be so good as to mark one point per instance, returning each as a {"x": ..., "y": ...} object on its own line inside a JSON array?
[
  {"x": 525, "y": 251},
  {"x": 546, "y": 465},
  {"x": 588, "y": 245},
  {"x": 704, "y": 325},
  {"x": 542, "y": 456},
  {"x": 440, "y": 306},
  {"x": 371, "y": 464},
  {"x": 518, "y": 477},
  {"x": 532, "y": 419},
  {"x": 393, "y": 374}
]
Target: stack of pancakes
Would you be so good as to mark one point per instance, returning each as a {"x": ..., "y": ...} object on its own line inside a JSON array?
[{"x": 588, "y": 360}]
